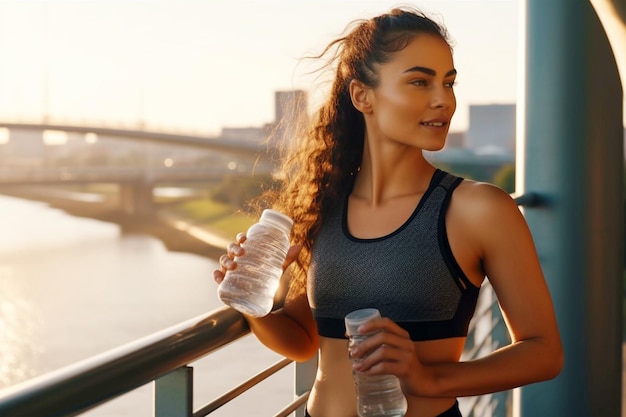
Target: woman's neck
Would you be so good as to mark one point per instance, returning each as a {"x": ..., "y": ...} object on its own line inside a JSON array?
[{"x": 389, "y": 171}]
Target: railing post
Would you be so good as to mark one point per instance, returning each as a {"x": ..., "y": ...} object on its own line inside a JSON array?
[
  {"x": 173, "y": 393},
  {"x": 482, "y": 337},
  {"x": 304, "y": 378},
  {"x": 501, "y": 401}
]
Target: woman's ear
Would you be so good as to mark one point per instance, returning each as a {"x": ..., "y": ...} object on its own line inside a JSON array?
[{"x": 360, "y": 96}]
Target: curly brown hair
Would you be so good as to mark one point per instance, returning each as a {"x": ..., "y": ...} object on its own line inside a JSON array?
[{"x": 320, "y": 164}]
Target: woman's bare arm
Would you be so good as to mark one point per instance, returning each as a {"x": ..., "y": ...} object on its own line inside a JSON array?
[
  {"x": 511, "y": 264},
  {"x": 291, "y": 330}
]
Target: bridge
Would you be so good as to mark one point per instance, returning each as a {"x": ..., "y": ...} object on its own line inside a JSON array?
[
  {"x": 230, "y": 145},
  {"x": 136, "y": 160}
]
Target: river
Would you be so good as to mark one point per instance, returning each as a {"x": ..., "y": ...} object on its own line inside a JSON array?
[{"x": 71, "y": 288}]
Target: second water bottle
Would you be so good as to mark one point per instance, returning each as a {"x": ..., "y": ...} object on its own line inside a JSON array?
[{"x": 377, "y": 395}]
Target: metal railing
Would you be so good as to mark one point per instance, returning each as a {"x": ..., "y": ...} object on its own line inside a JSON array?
[{"x": 164, "y": 358}]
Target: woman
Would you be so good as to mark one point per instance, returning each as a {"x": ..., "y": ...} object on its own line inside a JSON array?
[{"x": 376, "y": 225}]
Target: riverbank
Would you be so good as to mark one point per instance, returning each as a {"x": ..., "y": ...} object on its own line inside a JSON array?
[{"x": 178, "y": 233}]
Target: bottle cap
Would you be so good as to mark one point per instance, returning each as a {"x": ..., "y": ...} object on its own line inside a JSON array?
[
  {"x": 356, "y": 318},
  {"x": 278, "y": 218}
]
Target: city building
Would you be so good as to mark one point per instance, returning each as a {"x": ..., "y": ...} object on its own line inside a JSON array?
[{"x": 491, "y": 128}]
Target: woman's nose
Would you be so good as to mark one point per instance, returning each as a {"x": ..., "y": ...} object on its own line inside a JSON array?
[{"x": 443, "y": 97}]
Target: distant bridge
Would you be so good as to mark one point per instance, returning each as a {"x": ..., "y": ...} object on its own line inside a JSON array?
[
  {"x": 230, "y": 145},
  {"x": 137, "y": 177}
]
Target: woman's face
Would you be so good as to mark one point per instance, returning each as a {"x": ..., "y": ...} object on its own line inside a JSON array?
[{"x": 414, "y": 101}]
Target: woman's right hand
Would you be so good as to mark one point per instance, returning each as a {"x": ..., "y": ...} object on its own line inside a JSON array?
[{"x": 227, "y": 261}]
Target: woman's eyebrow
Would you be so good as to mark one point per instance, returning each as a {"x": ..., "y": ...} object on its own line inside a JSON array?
[{"x": 430, "y": 71}]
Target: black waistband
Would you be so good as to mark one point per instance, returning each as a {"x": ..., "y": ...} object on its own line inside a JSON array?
[{"x": 418, "y": 331}]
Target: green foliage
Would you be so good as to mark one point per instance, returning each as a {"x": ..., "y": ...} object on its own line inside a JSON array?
[
  {"x": 505, "y": 178},
  {"x": 232, "y": 224},
  {"x": 238, "y": 191},
  {"x": 219, "y": 218},
  {"x": 223, "y": 209},
  {"x": 203, "y": 211}
]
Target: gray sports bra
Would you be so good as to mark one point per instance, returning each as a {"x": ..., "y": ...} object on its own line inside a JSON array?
[{"x": 410, "y": 275}]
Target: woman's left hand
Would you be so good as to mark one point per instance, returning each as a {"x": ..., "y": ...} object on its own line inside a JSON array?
[{"x": 390, "y": 351}]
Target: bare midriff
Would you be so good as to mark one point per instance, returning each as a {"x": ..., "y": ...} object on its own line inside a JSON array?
[{"x": 333, "y": 393}]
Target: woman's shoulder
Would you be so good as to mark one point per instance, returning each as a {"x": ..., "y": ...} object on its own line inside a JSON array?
[
  {"x": 487, "y": 213},
  {"x": 482, "y": 201}
]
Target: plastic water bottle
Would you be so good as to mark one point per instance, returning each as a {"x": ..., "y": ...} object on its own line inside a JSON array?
[
  {"x": 250, "y": 288},
  {"x": 378, "y": 395}
]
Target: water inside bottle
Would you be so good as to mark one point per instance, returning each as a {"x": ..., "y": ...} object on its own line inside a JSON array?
[
  {"x": 379, "y": 396},
  {"x": 251, "y": 287}
]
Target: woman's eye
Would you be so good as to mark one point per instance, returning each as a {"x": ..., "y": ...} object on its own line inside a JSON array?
[
  {"x": 450, "y": 84},
  {"x": 420, "y": 83}
]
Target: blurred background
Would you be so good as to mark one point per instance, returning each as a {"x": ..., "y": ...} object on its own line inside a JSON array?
[{"x": 132, "y": 134}]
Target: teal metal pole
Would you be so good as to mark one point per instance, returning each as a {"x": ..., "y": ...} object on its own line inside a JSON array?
[
  {"x": 572, "y": 155},
  {"x": 173, "y": 393}
]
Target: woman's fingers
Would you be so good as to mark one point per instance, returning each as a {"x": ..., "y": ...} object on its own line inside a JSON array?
[
  {"x": 234, "y": 249},
  {"x": 389, "y": 350},
  {"x": 227, "y": 260},
  {"x": 386, "y": 359},
  {"x": 380, "y": 346},
  {"x": 218, "y": 276}
]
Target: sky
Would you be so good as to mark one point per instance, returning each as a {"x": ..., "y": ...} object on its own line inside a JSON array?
[{"x": 199, "y": 66}]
